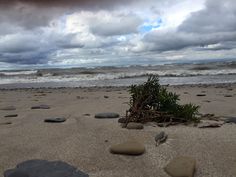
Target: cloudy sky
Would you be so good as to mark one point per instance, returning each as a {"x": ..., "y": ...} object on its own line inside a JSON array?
[{"x": 65, "y": 33}]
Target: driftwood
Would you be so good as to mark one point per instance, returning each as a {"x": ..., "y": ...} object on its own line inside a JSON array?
[{"x": 144, "y": 116}]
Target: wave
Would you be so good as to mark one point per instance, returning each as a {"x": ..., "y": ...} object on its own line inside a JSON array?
[
  {"x": 15, "y": 73},
  {"x": 28, "y": 78}
]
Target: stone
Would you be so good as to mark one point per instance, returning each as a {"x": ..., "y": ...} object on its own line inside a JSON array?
[
  {"x": 201, "y": 94},
  {"x": 41, "y": 107},
  {"x": 131, "y": 147},
  {"x": 230, "y": 120},
  {"x": 8, "y": 108},
  {"x": 55, "y": 120},
  {"x": 105, "y": 96},
  {"x": 11, "y": 115},
  {"x": 16, "y": 173},
  {"x": 181, "y": 167},
  {"x": 106, "y": 115},
  {"x": 161, "y": 137},
  {"x": 134, "y": 125},
  {"x": 44, "y": 168},
  {"x": 122, "y": 120},
  {"x": 228, "y": 95},
  {"x": 86, "y": 114},
  {"x": 5, "y": 123}
]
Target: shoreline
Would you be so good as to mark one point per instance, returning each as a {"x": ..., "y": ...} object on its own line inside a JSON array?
[{"x": 121, "y": 87}]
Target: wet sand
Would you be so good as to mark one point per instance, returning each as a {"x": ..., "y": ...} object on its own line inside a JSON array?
[{"x": 84, "y": 141}]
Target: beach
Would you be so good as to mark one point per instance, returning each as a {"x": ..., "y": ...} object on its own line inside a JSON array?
[{"x": 84, "y": 141}]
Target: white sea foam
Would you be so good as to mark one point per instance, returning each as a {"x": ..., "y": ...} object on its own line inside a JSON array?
[{"x": 14, "y": 73}]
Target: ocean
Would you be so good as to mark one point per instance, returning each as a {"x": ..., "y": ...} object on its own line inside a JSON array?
[{"x": 170, "y": 74}]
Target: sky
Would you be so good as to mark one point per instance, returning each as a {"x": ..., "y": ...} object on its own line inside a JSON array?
[{"x": 77, "y": 33}]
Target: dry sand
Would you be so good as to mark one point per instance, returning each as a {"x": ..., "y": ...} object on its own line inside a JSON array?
[{"x": 81, "y": 140}]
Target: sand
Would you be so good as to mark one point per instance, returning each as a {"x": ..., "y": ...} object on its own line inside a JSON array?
[{"x": 84, "y": 141}]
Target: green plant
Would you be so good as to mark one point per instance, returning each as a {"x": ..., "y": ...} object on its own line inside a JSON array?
[{"x": 152, "y": 102}]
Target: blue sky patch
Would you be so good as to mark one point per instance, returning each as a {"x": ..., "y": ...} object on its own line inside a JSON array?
[{"x": 149, "y": 25}]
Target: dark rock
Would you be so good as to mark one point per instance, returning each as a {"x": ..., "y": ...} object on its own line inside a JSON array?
[
  {"x": 41, "y": 107},
  {"x": 86, "y": 114},
  {"x": 55, "y": 120},
  {"x": 105, "y": 96},
  {"x": 230, "y": 120},
  {"x": 122, "y": 120},
  {"x": 15, "y": 173},
  {"x": 11, "y": 115},
  {"x": 128, "y": 148},
  {"x": 161, "y": 137},
  {"x": 5, "y": 123},
  {"x": 43, "y": 168},
  {"x": 106, "y": 115},
  {"x": 8, "y": 108},
  {"x": 181, "y": 167},
  {"x": 201, "y": 95},
  {"x": 134, "y": 125},
  {"x": 228, "y": 95}
]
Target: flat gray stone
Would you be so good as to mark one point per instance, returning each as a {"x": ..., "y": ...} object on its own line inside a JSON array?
[
  {"x": 106, "y": 115},
  {"x": 134, "y": 125},
  {"x": 8, "y": 108},
  {"x": 5, "y": 123},
  {"x": 131, "y": 147},
  {"x": 181, "y": 167},
  {"x": 55, "y": 120},
  {"x": 41, "y": 107},
  {"x": 201, "y": 94},
  {"x": 11, "y": 115},
  {"x": 228, "y": 95},
  {"x": 43, "y": 168}
]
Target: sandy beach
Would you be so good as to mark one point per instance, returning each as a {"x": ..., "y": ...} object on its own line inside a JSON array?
[{"x": 84, "y": 141}]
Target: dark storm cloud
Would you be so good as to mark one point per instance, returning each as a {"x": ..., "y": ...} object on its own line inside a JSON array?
[
  {"x": 25, "y": 58},
  {"x": 218, "y": 16},
  {"x": 177, "y": 41},
  {"x": 29, "y": 48},
  {"x": 67, "y": 3},
  {"x": 215, "y": 24},
  {"x": 35, "y": 13}
]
